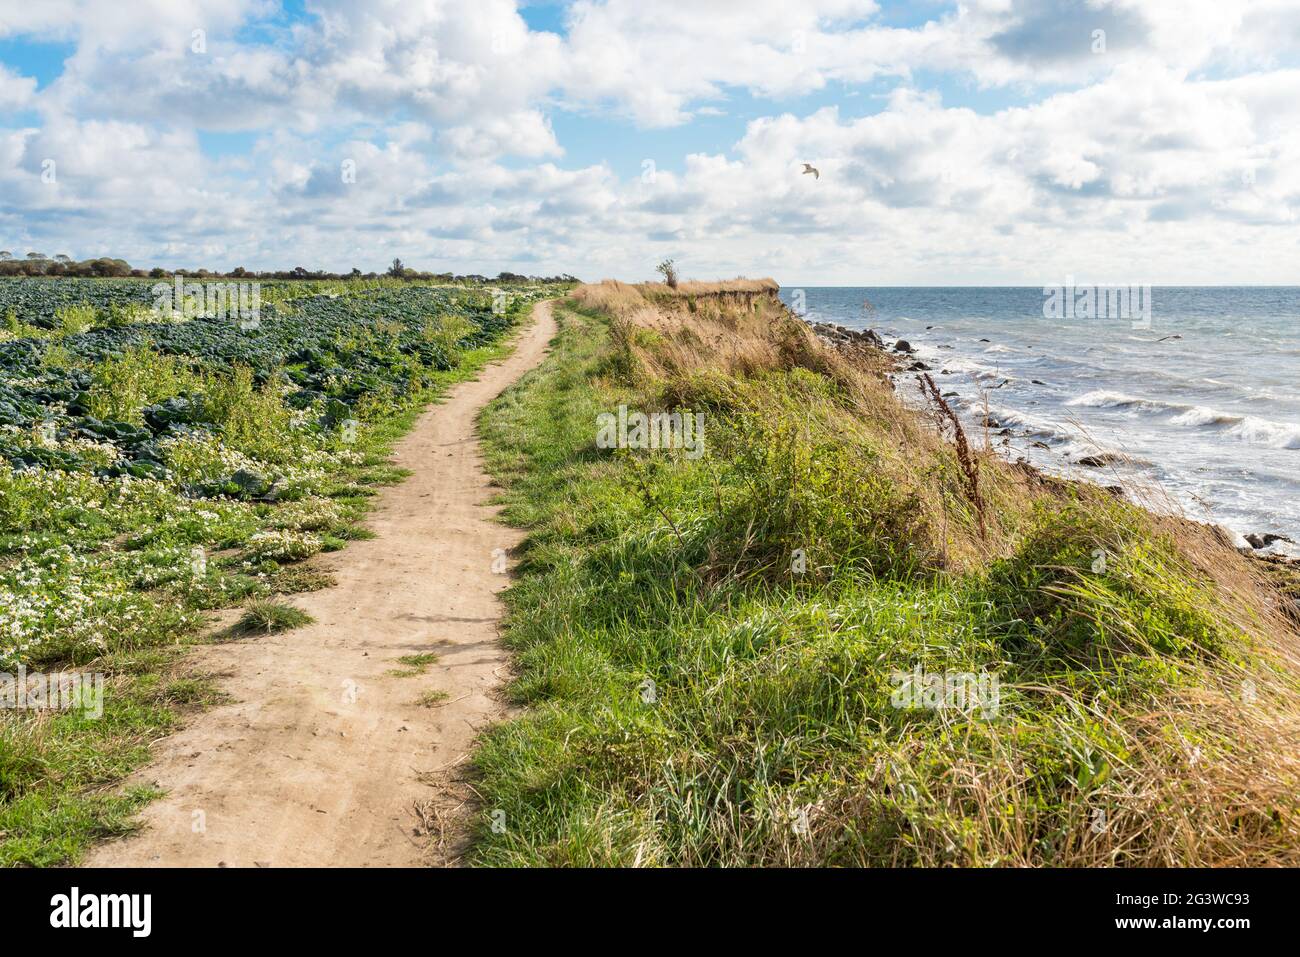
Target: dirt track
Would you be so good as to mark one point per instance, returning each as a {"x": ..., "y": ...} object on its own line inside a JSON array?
[{"x": 322, "y": 756}]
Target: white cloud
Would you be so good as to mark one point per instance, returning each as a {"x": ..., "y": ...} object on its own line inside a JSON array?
[
  {"x": 15, "y": 91},
  {"x": 98, "y": 25},
  {"x": 1176, "y": 152},
  {"x": 523, "y": 133}
]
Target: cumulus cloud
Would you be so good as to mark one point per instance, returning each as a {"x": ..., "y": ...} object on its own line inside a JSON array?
[
  {"x": 523, "y": 133},
  {"x": 97, "y": 25},
  {"x": 424, "y": 128},
  {"x": 15, "y": 91}
]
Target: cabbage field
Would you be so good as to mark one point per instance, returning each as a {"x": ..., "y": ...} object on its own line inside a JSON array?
[
  {"x": 38, "y": 301},
  {"x": 155, "y": 468}
]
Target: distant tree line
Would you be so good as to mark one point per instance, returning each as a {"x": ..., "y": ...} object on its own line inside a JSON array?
[{"x": 39, "y": 264}]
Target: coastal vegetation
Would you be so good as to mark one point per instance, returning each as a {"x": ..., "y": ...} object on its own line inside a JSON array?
[
  {"x": 731, "y": 659},
  {"x": 829, "y": 629}
]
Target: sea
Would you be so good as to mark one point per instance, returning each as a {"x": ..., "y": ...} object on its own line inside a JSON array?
[{"x": 1191, "y": 394}]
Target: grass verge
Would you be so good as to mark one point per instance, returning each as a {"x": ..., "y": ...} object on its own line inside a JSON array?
[{"x": 811, "y": 645}]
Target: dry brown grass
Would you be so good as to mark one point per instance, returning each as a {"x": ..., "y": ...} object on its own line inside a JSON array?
[
  {"x": 607, "y": 294},
  {"x": 1204, "y": 782},
  {"x": 683, "y": 343}
]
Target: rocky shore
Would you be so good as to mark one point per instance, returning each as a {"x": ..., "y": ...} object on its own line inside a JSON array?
[{"x": 1260, "y": 545}]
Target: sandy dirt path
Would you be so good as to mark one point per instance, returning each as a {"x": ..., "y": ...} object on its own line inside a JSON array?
[{"x": 322, "y": 756}]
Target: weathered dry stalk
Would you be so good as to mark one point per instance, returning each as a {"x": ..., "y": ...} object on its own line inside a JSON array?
[{"x": 969, "y": 467}]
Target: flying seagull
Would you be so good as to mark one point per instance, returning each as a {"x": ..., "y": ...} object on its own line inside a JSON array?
[{"x": 809, "y": 168}]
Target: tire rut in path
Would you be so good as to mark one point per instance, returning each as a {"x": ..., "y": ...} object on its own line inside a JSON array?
[{"x": 323, "y": 757}]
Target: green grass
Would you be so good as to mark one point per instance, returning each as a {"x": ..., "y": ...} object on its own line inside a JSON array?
[
  {"x": 271, "y": 617},
  {"x": 695, "y": 701},
  {"x": 57, "y": 772},
  {"x": 414, "y": 665},
  {"x": 296, "y": 579}
]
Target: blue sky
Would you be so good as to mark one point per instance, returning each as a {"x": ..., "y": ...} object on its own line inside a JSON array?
[{"x": 999, "y": 141}]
